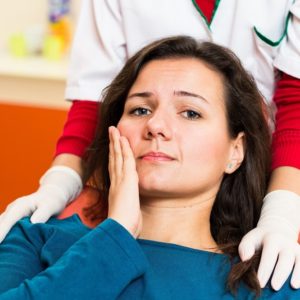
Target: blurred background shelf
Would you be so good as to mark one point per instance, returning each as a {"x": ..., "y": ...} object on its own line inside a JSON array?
[
  {"x": 33, "y": 67},
  {"x": 33, "y": 81}
]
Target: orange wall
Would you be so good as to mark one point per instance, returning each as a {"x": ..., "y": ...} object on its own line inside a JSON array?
[{"x": 28, "y": 138}]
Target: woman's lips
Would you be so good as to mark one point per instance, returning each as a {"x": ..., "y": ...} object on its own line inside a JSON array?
[{"x": 156, "y": 156}]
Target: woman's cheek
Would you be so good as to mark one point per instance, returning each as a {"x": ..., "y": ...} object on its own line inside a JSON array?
[
  {"x": 127, "y": 131},
  {"x": 122, "y": 127},
  {"x": 124, "y": 130}
]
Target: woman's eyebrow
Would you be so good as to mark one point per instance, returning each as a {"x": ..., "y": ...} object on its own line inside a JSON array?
[
  {"x": 180, "y": 93},
  {"x": 189, "y": 94},
  {"x": 141, "y": 95}
]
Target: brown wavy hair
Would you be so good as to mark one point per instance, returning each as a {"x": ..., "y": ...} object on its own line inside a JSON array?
[{"x": 238, "y": 203}]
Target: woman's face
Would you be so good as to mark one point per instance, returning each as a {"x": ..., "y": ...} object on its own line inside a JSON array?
[{"x": 175, "y": 121}]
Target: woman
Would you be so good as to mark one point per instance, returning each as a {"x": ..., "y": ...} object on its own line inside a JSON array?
[
  {"x": 266, "y": 39},
  {"x": 184, "y": 171}
]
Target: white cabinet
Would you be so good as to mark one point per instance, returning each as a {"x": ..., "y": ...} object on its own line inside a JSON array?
[{"x": 33, "y": 81}]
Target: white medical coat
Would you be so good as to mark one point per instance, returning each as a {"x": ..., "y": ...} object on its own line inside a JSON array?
[{"x": 265, "y": 34}]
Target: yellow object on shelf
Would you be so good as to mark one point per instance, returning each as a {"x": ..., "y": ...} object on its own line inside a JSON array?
[
  {"x": 17, "y": 45},
  {"x": 62, "y": 29},
  {"x": 54, "y": 47}
]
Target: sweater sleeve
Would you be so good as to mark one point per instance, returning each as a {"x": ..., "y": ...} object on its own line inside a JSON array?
[
  {"x": 79, "y": 128},
  {"x": 286, "y": 138},
  {"x": 98, "y": 266}
]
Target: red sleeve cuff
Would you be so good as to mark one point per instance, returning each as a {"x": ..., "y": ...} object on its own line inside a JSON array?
[
  {"x": 286, "y": 149},
  {"x": 79, "y": 129},
  {"x": 286, "y": 138}
]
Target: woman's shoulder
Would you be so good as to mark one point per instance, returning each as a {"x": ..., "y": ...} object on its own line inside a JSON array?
[
  {"x": 71, "y": 221},
  {"x": 42, "y": 231}
]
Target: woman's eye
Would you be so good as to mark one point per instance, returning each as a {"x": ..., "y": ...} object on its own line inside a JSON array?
[
  {"x": 190, "y": 114},
  {"x": 140, "y": 111}
]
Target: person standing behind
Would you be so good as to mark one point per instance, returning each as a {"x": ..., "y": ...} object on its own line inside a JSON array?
[{"x": 266, "y": 37}]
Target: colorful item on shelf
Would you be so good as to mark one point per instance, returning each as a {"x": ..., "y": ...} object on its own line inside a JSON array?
[
  {"x": 59, "y": 36},
  {"x": 17, "y": 45}
]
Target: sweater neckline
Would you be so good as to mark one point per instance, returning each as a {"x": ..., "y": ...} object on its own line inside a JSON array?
[{"x": 178, "y": 247}]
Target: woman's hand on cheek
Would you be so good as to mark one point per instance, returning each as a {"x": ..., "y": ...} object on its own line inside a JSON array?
[{"x": 123, "y": 200}]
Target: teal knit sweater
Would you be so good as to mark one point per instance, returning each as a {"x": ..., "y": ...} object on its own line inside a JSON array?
[{"x": 63, "y": 259}]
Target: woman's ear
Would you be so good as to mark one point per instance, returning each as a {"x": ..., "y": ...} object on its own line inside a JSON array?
[{"x": 237, "y": 154}]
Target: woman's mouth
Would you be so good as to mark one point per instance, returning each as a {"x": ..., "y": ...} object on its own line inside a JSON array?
[{"x": 156, "y": 156}]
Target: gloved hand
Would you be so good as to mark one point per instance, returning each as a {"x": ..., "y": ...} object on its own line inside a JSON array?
[
  {"x": 58, "y": 187},
  {"x": 277, "y": 233}
]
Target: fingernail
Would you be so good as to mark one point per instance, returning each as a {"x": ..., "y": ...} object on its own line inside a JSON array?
[
  {"x": 295, "y": 284},
  {"x": 261, "y": 280},
  {"x": 276, "y": 285},
  {"x": 246, "y": 254}
]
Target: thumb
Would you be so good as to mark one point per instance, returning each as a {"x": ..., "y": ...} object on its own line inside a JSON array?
[
  {"x": 6, "y": 225},
  {"x": 249, "y": 243},
  {"x": 17, "y": 210},
  {"x": 41, "y": 215}
]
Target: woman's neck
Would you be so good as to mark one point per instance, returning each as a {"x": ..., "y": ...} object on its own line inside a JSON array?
[{"x": 185, "y": 223}]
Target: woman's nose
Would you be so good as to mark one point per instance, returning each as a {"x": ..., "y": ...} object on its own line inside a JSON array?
[{"x": 159, "y": 125}]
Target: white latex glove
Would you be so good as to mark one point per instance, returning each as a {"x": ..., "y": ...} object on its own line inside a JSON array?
[
  {"x": 58, "y": 187},
  {"x": 277, "y": 233}
]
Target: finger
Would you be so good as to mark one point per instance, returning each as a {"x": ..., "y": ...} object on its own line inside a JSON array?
[
  {"x": 111, "y": 154},
  {"x": 129, "y": 166},
  {"x": 250, "y": 242},
  {"x": 295, "y": 280},
  {"x": 283, "y": 269},
  {"x": 128, "y": 156},
  {"x": 267, "y": 261},
  {"x": 41, "y": 215},
  {"x": 11, "y": 216},
  {"x": 5, "y": 228},
  {"x": 118, "y": 157}
]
